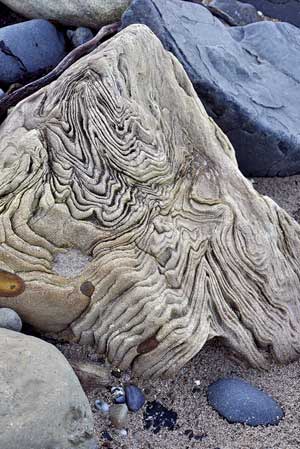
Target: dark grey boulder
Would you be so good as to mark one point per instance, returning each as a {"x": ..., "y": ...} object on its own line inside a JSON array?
[
  {"x": 29, "y": 50},
  {"x": 246, "y": 77},
  {"x": 241, "y": 13},
  {"x": 285, "y": 10},
  {"x": 240, "y": 402}
]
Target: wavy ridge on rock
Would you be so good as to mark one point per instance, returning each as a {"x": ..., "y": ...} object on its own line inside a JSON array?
[{"x": 118, "y": 161}]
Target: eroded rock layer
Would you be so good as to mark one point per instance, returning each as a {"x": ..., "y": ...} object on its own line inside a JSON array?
[{"x": 125, "y": 221}]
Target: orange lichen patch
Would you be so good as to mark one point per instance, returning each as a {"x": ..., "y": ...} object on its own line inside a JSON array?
[
  {"x": 10, "y": 284},
  {"x": 87, "y": 288},
  {"x": 147, "y": 345}
]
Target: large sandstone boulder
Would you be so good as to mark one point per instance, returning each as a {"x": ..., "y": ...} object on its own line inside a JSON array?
[
  {"x": 247, "y": 77},
  {"x": 42, "y": 403},
  {"x": 90, "y": 13},
  {"x": 126, "y": 223}
]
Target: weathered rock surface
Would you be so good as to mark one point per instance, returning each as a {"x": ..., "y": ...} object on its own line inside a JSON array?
[
  {"x": 241, "y": 13},
  {"x": 29, "y": 50},
  {"x": 89, "y": 13},
  {"x": 116, "y": 169},
  {"x": 247, "y": 77},
  {"x": 42, "y": 403},
  {"x": 285, "y": 10}
]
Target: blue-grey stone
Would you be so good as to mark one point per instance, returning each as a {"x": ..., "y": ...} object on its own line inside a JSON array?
[
  {"x": 285, "y": 10},
  {"x": 102, "y": 406},
  {"x": 2, "y": 93},
  {"x": 240, "y": 402},
  {"x": 135, "y": 398},
  {"x": 80, "y": 36},
  {"x": 9, "y": 319},
  {"x": 247, "y": 78},
  {"x": 29, "y": 50},
  {"x": 241, "y": 13}
]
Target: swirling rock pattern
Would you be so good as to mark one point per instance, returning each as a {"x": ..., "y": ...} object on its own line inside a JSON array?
[{"x": 123, "y": 212}]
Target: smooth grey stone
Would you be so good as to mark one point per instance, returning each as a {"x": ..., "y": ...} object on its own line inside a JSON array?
[
  {"x": 9, "y": 319},
  {"x": 29, "y": 50},
  {"x": 285, "y": 10},
  {"x": 240, "y": 402},
  {"x": 247, "y": 78},
  {"x": 135, "y": 398},
  {"x": 80, "y": 36},
  {"x": 118, "y": 414},
  {"x": 241, "y": 13}
]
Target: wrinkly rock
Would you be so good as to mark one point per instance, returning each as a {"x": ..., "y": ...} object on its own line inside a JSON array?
[
  {"x": 9, "y": 319},
  {"x": 42, "y": 403},
  {"x": 123, "y": 169},
  {"x": 118, "y": 414},
  {"x": 87, "y": 13},
  {"x": 80, "y": 36},
  {"x": 241, "y": 13},
  {"x": 284, "y": 10},
  {"x": 29, "y": 50},
  {"x": 247, "y": 78},
  {"x": 240, "y": 402},
  {"x": 91, "y": 375}
]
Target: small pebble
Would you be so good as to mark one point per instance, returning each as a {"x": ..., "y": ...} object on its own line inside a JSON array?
[
  {"x": 118, "y": 395},
  {"x": 135, "y": 398},
  {"x": 117, "y": 373},
  {"x": 80, "y": 36},
  {"x": 9, "y": 319},
  {"x": 240, "y": 402},
  {"x": 102, "y": 406},
  {"x": 121, "y": 432},
  {"x": 106, "y": 436},
  {"x": 118, "y": 414}
]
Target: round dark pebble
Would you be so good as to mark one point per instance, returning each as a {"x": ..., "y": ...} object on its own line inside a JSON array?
[
  {"x": 135, "y": 398},
  {"x": 240, "y": 402}
]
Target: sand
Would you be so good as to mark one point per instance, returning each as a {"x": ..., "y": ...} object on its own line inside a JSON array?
[{"x": 186, "y": 394}]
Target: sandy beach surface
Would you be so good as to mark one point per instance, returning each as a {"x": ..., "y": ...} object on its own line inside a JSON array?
[{"x": 195, "y": 424}]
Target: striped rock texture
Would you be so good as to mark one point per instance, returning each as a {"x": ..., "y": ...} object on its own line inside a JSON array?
[{"x": 125, "y": 222}]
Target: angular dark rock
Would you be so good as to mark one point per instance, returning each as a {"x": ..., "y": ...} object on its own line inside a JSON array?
[
  {"x": 285, "y": 10},
  {"x": 29, "y": 50},
  {"x": 240, "y": 402},
  {"x": 241, "y": 13},
  {"x": 247, "y": 77}
]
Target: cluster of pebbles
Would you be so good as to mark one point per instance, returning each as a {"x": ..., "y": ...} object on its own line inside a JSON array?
[{"x": 129, "y": 398}]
